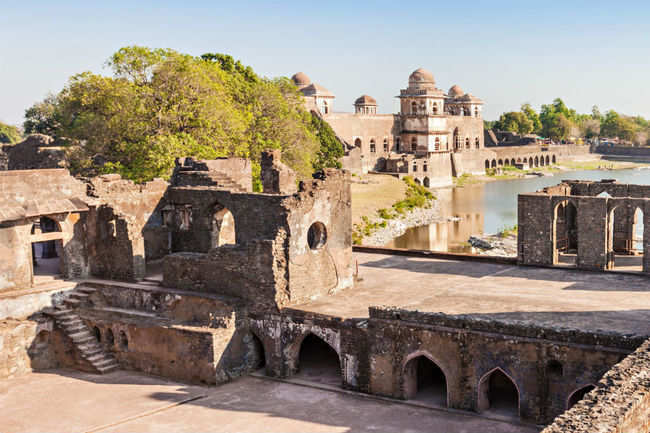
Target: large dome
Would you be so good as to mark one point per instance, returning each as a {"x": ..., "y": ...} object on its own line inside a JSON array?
[
  {"x": 365, "y": 100},
  {"x": 301, "y": 79},
  {"x": 421, "y": 76},
  {"x": 456, "y": 91}
]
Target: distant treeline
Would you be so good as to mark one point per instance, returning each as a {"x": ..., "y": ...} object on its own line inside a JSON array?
[
  {"x": 559, "y": 122},
  {"x": 160, "y": 104}
]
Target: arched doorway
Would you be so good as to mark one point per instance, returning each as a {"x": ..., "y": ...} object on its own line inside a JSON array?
[
  {"x": 553, "y": 159},
  {"x": 456, "y": 140},
  {"x": 536, "y": 162},
  {"x": 625, "y": 233},
  {"x": 426, "y": 182},
  {"x": 530, "y": 161},
  {"x": 541, "y": 161},
  {"x": 494, "y": 163},
  {"x": 500, "y": 163},
  {"x": 318, "y": 362},
  {"x": 425, "y": 381},
  {"x": 498, "y": 394},
  {"x": 357, "y": 142},
  {"x": 487, "y": 164},
  {"x": 255, "y": 356},
  {"x": 547, "y": 160},
  {"x": 47, "y": 256},
  {"x": 512, "y": 162},
  {"x": 223, "y": 227},
  {"x": 565, "y": 234},
  {"x": 578, "y": 395}
]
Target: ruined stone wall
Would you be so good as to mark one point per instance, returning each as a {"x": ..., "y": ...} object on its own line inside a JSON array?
[
  {"x": 277, "y": 178},
  {"x": 25, "y": 346},
  {"x": 604, "y": 224},
  {"x": 319, "y": 236},
  {"x": 228, "y": 173},
  {"x": 36, "y": 152},
  {"x": 535, "y": 229},
  {"x": 619, "y": 403},
  {"x": 115, "y": 239},
  {"x": 26, "y": 195},
  {"x": 467, "y": 349},
  {"x": 274, "y": 261}
]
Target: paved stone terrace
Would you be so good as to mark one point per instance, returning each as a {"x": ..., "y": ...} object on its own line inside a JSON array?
[
  {"x": 70, "y": 401},
  {"x": 589, "y": 301}
]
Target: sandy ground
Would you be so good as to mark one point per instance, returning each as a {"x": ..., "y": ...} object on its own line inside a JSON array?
[
  {"x": 70, "y": 401},
  {"x": 380, "y": 191}
]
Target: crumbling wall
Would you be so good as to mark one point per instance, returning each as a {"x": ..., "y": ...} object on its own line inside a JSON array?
[
  {"x": 229, "y": 173},
  {"x": 619, "y": 403},
  {"x": 277, "y": 178},
  {"x": 320, "y": 242},
  {"x": 36, "y": 152},
  {"x": 468, "y": 348},
  {"x": 535, "y": 229},
  {"x": 116, "y": 240},
  {"x": 25, "y": 346}
]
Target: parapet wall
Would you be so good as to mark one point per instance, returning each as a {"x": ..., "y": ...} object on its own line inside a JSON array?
[{"x": 620, "y": 403}]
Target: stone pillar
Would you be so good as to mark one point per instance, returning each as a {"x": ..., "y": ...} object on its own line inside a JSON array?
[
  {"x": 592, "y": 233},
  {"x": 277, "y": 178},
  {"x": 646, "y": 238}
]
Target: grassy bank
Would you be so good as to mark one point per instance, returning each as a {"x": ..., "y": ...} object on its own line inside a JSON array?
[{"x": 416, "y": 196}]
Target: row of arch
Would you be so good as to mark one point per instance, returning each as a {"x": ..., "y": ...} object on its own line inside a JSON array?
[
  {"x": 108, "y": 338},
  {"x": 565, "y": 236},
  {"x": 423, "y": 378},
  {"x": 449, "y": 109},
  {"x": 537, "y": 161}
]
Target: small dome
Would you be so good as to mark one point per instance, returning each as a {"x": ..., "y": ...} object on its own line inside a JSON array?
[
  {"x": 456, "y": 91},
  {"x": 365, "y": 100},
  {"x": 301, "y": 79},
  {"x": 421, "y": 76}
]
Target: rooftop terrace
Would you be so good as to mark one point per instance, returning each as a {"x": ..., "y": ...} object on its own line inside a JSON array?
[{"x": 588, "y": 301}]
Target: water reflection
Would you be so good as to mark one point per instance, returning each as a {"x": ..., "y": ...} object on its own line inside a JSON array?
[{"x": 490, "y": 207}]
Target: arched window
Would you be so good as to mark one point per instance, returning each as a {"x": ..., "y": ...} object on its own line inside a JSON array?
[
  {"x": 325, "y": 107},
  {"x": 426, "y": 182},
  {"x": 437, "y": 144},
  {"x": 467, "y": 143},
  {"x": 223, "y": 227},
  {"x": 385, "y": 144},
  {"x": 477, "y": 143},
  {"x": 414, "y": 144},
  {"x": 476, "y": 112},
  {"x": 415, "y": 166},
  {"x": 414, "y": 107},
  {"x": 357, "y": 142},
  {"x": 373, "y": 148},
  {"x": 397, "y": 144},
  {"x": 456, "y": 140},
  {"x": 425, "y": 167},
  {"x": 435, "y": 108}
]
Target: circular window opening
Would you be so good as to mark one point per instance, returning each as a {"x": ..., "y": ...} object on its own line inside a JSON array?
[{"x": 317, "y": 236}]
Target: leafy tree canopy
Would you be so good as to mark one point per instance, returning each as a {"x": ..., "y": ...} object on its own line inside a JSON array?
[
  {"x": 9, "y": 134},
  {"x": 160, "y": 104}
]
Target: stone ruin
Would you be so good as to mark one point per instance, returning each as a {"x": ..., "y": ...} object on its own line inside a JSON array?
[{"x": 201, "y": 280}]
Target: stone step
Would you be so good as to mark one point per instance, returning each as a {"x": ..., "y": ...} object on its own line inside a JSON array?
[
  {"x": 86, "y": 289},
  {"x": 80, "y": 334},
  {"x": 75, "y": 327},
  {"x": 83, "y": 340},
  {"x": 60, "y": 311},
  {"x": 105, "y": 361},
  {"x": 72, "y": 302},
  {"x": 78, "y": 295},
  {"x": 108, "y": 369}
]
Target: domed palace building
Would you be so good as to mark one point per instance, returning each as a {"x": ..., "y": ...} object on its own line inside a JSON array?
[{"x": 435, "y": 136}]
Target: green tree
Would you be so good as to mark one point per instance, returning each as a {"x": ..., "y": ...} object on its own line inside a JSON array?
[
  {"x": 331, "y": 149},
  {"x": 532, "y": 115},
  {"x": 9, "y": 134},
  {"x": 515, "y": 121},
  {"x": 160, "y": 104}
]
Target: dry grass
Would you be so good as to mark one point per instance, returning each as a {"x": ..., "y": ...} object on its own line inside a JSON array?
[{"x": 381, "y": 191}]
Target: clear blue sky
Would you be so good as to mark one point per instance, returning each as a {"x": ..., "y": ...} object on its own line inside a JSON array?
[{"x": 587, "y": 52}]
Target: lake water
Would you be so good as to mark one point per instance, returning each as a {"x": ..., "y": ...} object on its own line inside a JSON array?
[{"x": 487, "y": 208}]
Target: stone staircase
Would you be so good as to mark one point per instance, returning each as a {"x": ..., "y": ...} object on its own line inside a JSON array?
[
  {"x": 225, "y": 182},
  {"x": 84, "y": 340}
]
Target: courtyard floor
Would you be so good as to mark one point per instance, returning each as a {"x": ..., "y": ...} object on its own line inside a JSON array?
[
  {"x": 71, "y": 401},
  {"x": 590, "y": 301}
]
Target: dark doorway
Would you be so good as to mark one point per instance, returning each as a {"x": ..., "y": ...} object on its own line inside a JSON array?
[
  {"x": 318, "y": 362},
  {"x": 46, "y": 255},
  {"x": 424, "y": 381},
  {"x": 498, "y": 395},
  {"x": 578, "y": 395},
  {"x": 565, "y": 236},
  {"x": 255, "y": 358}
]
